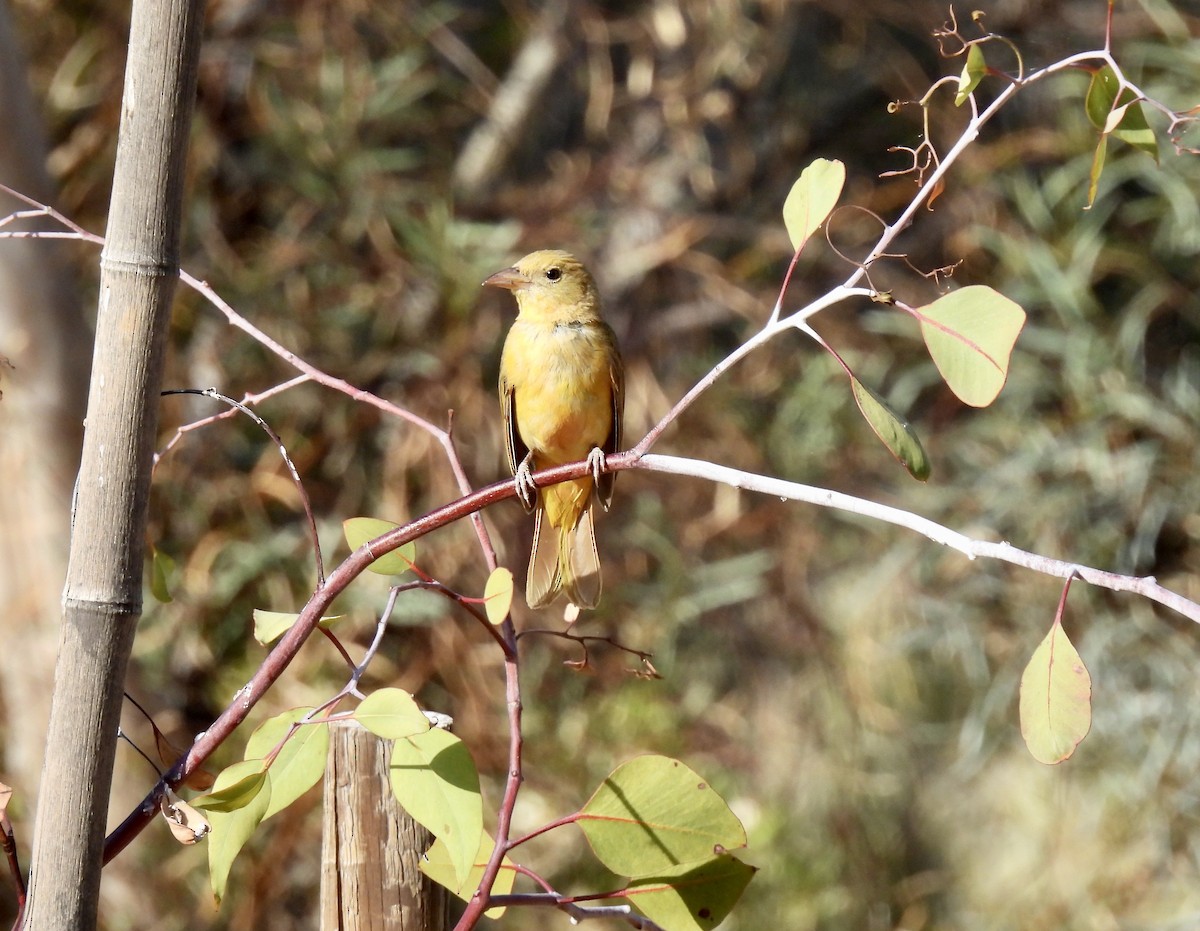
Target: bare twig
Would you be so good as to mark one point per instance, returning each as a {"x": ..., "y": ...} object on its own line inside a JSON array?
[{"x": 287, "y": 459}]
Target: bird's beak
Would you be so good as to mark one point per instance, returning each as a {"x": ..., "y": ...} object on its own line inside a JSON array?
[{"x": 508, "y": 278}]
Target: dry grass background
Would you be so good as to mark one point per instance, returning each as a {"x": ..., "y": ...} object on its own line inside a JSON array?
[{"x": 850, "y": 689}]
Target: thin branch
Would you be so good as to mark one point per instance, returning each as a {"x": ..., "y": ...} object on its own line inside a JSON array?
[
  {"x": 577, "y": 912},
  {"x": 1146, "y": 586},
  {"x": 287, "y": 459}
]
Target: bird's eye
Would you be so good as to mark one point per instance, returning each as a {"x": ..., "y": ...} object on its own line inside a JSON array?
[{"x": 553, "y": 274}]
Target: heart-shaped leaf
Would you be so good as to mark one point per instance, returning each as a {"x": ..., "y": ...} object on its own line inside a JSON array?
[
  {"x": 970, "y": 333},
  {"x": 654, "y": 813},
  {"x": 812, "y": 198}
]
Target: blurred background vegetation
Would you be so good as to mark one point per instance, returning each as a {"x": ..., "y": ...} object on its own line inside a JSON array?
[{"x": 849, "y": 687}]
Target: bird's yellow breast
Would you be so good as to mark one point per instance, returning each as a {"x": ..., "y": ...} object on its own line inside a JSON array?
[{"x": 561, "y": 376}]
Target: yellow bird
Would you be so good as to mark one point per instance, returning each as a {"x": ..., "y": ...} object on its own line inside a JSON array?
[{"x": 562, "y": 396}]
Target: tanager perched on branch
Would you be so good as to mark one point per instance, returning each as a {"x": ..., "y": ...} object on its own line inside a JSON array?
[{"x": 562, "y": 396}]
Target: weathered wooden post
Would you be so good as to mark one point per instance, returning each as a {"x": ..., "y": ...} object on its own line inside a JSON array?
[{"x": 370, "y": 847}]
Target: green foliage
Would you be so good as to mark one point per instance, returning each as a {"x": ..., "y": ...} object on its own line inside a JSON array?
[
  {"x": 498, "y": 594},
  {"x": 162, "y": 568},
  {"x": 391, "y": 714},
  {"x": 812, "y": 198},
  {"x": 437, "y": 865},
  {"x": 436, "y": 782},
  {"x": 1056, "y": 698},
  {"x": 269, "y": 626},
  {"x": 691, "y": 896},
  {"x": 970, "y": 333},
  {"x": 973, "y": 72},
  {"x": 360, "y": 530},
  {"x": 894, "y": 432},
  {"x": 654, "y": 813},
  {"x": 299, "y": 756},
  {"x": 234, "y": 808}
]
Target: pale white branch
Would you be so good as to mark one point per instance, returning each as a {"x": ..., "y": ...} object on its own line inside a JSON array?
[{"x": 1146, "y": 586}]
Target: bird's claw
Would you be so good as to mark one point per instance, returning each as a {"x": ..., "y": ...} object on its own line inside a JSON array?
[
  {"x": 526, "y": 489},
  {"x": 597, "y": 462}
]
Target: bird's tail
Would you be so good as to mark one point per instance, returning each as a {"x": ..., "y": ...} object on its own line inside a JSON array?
[{"x": 564, "y": 559}]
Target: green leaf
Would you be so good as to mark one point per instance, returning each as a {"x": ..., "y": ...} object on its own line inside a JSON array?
[
  {"x": 437, "y": 866},
  {"x": 359, "y": 530},
  {"x": 1097, "y": 168},
  {"x": 1056, "y": 698},
  {"x": 300, "y": 763},
  {"x": 692, "y": 897},
  {"x": 654, "y": 813},
  {"x": 1101, "y": 95},
  {"x": 812, "y": 198},
  {"x": 162, "y": 567},
  {"x": 229, "y": 794},
  {"x": 391, "y": 713},
  {"x": 498, "y": 595},
  {"x": 271, "y": 625},
  {"x": 970, "y": 333},
  {"x": 1115, "y": 109},
  {"x": 1133, "y": 129},
  {"x": 972, "y": 73},
  {"x": 436, "y": 782},
  {"x": 895, "y": 433},
  {"x": 231, "y": 830}
]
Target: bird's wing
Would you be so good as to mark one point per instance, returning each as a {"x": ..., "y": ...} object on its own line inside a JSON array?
[
  {"x": 514, "y": 450},
  {"x": 616, "y": 371}
]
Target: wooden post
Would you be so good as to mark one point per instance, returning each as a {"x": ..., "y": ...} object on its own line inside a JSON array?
[{"x": 370, "y": 846}]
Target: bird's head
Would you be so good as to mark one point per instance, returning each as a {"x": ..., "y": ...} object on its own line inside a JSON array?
[{"x": 551, "y": 284}]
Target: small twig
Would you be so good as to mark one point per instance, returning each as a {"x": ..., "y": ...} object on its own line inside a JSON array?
[
  {"x": 577, "y": 912},
  {"x": 121, "y": 735},
  {"x": 584, "y": 639},
  {"x": 287, "y": 459},
  {"x": 248, "y": 400}
]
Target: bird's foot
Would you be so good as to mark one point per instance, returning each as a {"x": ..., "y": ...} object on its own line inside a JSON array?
[
  {"x": 597, "y": 462},
  {"x": 526, "y": 489}
]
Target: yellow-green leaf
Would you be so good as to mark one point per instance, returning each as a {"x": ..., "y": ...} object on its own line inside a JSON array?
[
  {"x": 390, "y": 714},
  {"x": 498, "y": 595},
  {"x": 437, "y": 866},
  {"x": 1116, "y": 110},
  {"x": 894, "y": 432},
  {"x": 435, "y": 780},
  {"x": 162, "y": 567},
  {"x": 970, "y": 333},
  {"x": 299, "y": 764},
  {"x": 359, "y": 530},
  {"x": 812, "y": 198},
  {"x": 231, "y": 829},
  {"x": 1101, "y": 95},
  {"x": 691, "y": 897},
  {"x": 269, "y": 626},
  {"x": 654, "y": 813},
  {"x": 1097, "y": 168},
  {"x": 231, "y": 794},
  {"x": 1056, "y": 698},
  {"x": 972, "y": 73}
]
